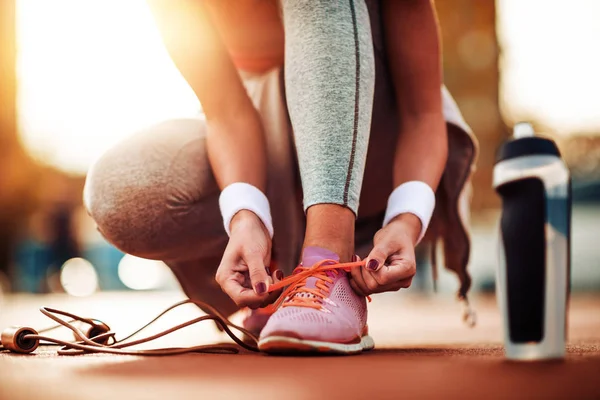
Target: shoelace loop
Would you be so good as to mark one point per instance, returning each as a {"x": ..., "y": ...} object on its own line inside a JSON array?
[{"x": 298, "y": 295}]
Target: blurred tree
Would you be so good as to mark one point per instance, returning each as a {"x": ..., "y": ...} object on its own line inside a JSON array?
[{"x": 17, "y": 170}]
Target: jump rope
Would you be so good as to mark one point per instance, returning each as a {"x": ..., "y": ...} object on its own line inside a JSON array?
[{"x": 95, "y": 336}]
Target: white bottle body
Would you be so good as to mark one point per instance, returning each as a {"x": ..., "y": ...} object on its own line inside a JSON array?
[{"x": 554, "y": 175}]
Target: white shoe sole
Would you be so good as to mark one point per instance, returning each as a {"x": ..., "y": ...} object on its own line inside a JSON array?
[{"x": 286, "y": 345}]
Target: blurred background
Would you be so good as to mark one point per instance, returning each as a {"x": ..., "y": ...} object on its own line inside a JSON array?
[{"x": 76, "y": 76}]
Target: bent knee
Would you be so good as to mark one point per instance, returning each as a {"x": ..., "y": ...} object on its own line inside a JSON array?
[
  {"x": 136, "y": 190},
  {"x": 125, "y": 206}
]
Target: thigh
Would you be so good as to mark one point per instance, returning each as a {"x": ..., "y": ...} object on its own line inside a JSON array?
[{"x": 154, "y": 194}]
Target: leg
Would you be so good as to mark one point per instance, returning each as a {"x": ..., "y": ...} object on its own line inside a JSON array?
[
  {"x": 330, "y": 77},
  {"x": 154, "y": 196}
]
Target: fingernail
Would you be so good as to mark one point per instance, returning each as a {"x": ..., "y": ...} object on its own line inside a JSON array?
[
  {"x": 279, "y": 274},
  {"x": 372, "y": 264},
  {"x": 260, "y": 288}
]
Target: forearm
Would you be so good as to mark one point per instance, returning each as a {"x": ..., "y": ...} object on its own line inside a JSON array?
[
  {"x": 237, "y": 150},
  {"x": 422, "y": 151},
  {"x": 235, "y": 140},
  {"x": 421, "y": 155},
  {"x": 413, "y": 48}
]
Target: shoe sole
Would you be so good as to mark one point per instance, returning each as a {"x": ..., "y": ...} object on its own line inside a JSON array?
[{"x": 287, "y": 345}]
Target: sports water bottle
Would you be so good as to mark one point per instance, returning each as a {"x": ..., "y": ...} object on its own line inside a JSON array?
[{"x": 534, "y": 261}]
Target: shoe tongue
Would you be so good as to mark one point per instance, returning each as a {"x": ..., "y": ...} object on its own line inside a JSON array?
[{"x": 312, "y": 255}]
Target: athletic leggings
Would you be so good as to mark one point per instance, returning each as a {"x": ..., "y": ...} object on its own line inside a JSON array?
[{"x": 329, "y": 80}]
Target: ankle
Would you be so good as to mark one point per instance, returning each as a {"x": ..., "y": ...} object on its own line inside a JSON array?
[{"x": 331, "y": 227}]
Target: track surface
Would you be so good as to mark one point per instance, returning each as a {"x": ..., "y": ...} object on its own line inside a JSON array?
[{"x": 423, "y": 351}]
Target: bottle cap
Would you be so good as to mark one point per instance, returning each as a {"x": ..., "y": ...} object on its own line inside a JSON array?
[
  {"x": 522, "y": 130},
  {"x": 524, "y": 142}
]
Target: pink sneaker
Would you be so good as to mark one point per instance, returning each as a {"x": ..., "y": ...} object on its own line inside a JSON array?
[
  {"x": 255, "y": 320},
  {"x": 318, "y": 312}
]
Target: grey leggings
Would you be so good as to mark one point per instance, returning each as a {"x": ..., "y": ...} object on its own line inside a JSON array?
[
  {"x": 154, "y": 195},
  {"x": 329, "y": 79}
]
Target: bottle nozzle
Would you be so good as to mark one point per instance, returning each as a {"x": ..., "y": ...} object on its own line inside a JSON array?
[{"x": 522, "y": 130}]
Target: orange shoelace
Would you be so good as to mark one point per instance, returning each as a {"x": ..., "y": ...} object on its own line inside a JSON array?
[{"x": 298, "y": 295}]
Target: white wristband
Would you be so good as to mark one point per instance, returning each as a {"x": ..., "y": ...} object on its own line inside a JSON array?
[
  {"x": 243, "y": 196},
  {"x": 412, "y": 197}
]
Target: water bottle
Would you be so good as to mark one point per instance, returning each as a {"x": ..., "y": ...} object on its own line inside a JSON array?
[{"x": 533, "y": 281}]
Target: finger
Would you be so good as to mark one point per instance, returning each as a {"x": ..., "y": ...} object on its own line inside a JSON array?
[
  {"x": 370, "y": 282},
  {"x": 242, "y": 296},
  {"x": 276, "y": 276},
  {"x": 397, "y": 270},
  {"x": 356, "y": 289},
  {"x": 394, "y": 287},
  {"x": 225, "y": 269},
  {"x": 405, "y": 283},
  {"x": 358, "y": 281},
  {"x": 271, "y": 298},
  {"x": 259, "y": 277},
  {"x": 382, "y": 249}
]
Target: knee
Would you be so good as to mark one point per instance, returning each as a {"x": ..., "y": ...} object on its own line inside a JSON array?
[
  {"x": 136, "y": 189},
  {"x": 122, "y": 201}
]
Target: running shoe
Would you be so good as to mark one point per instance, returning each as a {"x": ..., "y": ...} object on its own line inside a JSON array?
[{"x": 319, "y": 311}]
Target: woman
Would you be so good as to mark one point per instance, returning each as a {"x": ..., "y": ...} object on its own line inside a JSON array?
[{"x": 325, "y": 142}]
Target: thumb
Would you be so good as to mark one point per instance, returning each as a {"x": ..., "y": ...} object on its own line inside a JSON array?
[
  {"x": 277, "y": 276},
  {"x": 381, "y": 251},
  {"x": 376, "y": 259},
  {"x": 258, "y": 273}
]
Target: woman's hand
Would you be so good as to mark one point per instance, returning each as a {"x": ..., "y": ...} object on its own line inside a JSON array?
[
  {"x": 391, "y": 264},
  {"x": 243, "y": 274}
]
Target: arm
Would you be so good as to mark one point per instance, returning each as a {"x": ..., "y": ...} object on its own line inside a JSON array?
[
  {"x": 235, "y": 141},
  {"x": 413, "y": 48}
]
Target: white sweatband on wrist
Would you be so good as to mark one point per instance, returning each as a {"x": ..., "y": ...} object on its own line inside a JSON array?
[
  {"x": 243, "y": 196},
  {"x": 412, "y": 197}
]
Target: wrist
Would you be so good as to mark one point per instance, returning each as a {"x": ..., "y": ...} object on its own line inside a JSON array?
[
  {"x": 410, "y": 224},
  {"x": 242, "y": 201},
  {"x": 415, "y": 198},
  {"x": 245, "y": 218}
]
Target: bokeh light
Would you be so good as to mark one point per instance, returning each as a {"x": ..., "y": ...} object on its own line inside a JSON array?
[
  {"x": 78, "y": 277},
  {"x": 142, "y": 274}
]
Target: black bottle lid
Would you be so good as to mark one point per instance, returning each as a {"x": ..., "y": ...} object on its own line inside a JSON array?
[{"x": 524, "y": 143}]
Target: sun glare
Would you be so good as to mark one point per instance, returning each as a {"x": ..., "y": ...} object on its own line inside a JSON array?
[
  {"x": 91, "y": 72},
  {"x": 550, "y": 62}
]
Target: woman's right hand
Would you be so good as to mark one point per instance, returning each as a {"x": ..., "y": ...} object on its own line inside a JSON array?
[{"x": 243, "y": 274}]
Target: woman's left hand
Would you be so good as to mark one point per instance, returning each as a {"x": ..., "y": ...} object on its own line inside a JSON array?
[{"x": 391, "y": 264}]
